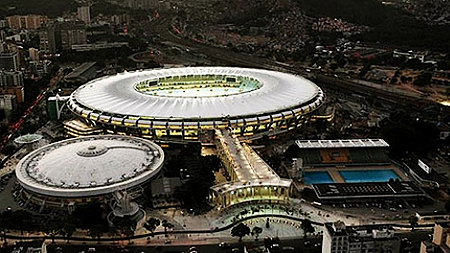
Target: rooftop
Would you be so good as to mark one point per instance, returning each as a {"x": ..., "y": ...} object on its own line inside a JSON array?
[
  {"x": 90, "y": 165},
  {"x": 369, "y": 189},
  {"x": 125, "y": 93},
  {"x": 348, "y": 143}
]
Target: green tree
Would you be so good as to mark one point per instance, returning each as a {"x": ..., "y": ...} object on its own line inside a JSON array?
[
  {"x": 423, "y": 79},
  {"x": 128, "y": 232},
  {"x": 3, "y": 227},
  {"x": 307, "y": 227},
  {"x": 447, "y": 206},
  {"x": 152, "y": 224},
  {"x": 96, "y": 231},
  {"x": 112, "y": 232},
  {"x": 69, "y": 229},
  {"x": 240, "y": 231},
  {"x": 256, "y": 231},
  {"x": 166, "y": 226},
  {"x": 447, "y": 92},
  {"x": 53, "y": 227},
  {"x": 413, "y": 221}
]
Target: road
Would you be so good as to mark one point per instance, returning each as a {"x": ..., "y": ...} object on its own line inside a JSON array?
[
  {"x": 309, "y": 244},
  {"x": 13, "y": 128},
  {"x": 298, "y": 244}
]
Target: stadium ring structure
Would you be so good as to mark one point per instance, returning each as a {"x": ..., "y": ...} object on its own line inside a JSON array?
[
  {"x": 84, "y": 169},
  {"x": 189, "y": 103}
]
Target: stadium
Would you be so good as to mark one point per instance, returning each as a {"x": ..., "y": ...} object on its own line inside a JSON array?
[
  {"x": 188, "y": 104},
  {"x": 80, "y": 170}
]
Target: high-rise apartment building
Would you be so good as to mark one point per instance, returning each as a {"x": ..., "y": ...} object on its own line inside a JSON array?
[
  {"x": 72, "y": 33},
  {"x": 33, "y": 54},
  {"x": 11, "y": 78},
  {"x": 9, "y": 61},
  {"x": 84, "y": 14},
  {"x": 59, "y": 36},
  {"x": 29, "y": 22}
]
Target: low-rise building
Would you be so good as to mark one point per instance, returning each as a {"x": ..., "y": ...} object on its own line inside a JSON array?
[
  {"x": 441, "y": 239},
  {"x": 339, "y": 238},
  {"x": 8, "y": 102}
]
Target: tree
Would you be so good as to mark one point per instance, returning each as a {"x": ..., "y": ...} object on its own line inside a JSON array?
[
  {"x": 413, "y": 221},
  {"x": 447, "y": 206},
  {"x": 68, "y": 229},
  {"x": 240, "y": 231},
  {"x": 447, "y": 92},
  {"x": 256, "y": 231},
  {"x": 166, "y": 226},
  {"x": 152, "y": 224},
  {"x": 112, "y": 232},
  {"x": 96, "y": 231},
  {"x": 53, "y": 227},
  {"x": 423, "y": 79},
  {"x": 403, "y": 79},
  {"x": 3, "y": 226},
  {"x": 307, "y": 227},
  {"x": 128, "y": 232}
]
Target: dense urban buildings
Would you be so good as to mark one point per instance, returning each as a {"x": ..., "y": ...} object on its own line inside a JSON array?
[{"x": 58, "y": 36}]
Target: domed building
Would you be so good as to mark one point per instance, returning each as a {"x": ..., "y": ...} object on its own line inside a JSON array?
[
  {"x": 81, "y": 170},
  {"x": 189, "y": 104}
]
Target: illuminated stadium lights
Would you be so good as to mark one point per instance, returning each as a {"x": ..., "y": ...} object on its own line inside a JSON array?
[
  {"x": 189, "y": 103},
  {"x": 83, "y": 169}
]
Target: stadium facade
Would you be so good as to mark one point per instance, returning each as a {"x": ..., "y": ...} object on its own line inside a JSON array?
[
  {"x": 190, "y": 103},
  {"x": 81, "y": 170}
]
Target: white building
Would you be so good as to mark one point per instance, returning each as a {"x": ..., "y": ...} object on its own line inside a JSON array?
[
  {"x": 8, "y": 102},
  {"x": 190, "y": 103},
  {"x": 84, "y": 14},
  {"x": 339, "y": 238},
  {"x": 80, "y": 170},
  {"x": 11, "y": 78},
  {"x": 34, "y": 54}
]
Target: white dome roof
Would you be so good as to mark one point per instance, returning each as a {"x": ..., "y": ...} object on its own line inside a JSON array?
[{"x": 90, "y": 166}]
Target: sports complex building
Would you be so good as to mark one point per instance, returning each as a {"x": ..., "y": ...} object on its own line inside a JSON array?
[
  {"x": 354, "y": 170},
  {"x": 80, "y": 170},
  {"x": 189, "y": 104}
]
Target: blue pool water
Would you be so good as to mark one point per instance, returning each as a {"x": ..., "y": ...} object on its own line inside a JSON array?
[
  {"x": 358, "y": 176},
  {"x": 317, "y": 177}
]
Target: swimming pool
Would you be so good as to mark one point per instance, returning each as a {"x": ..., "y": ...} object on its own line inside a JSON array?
[
  {"x": 317, "y": 177},
  {"x": 359, "y": 176}
]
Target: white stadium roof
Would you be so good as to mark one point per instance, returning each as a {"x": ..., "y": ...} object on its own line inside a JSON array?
[
  {"x": 117, "y": 95},
  {"x": 89, "y": 166}
]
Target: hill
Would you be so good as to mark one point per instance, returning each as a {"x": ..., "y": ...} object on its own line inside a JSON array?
[{"x": 51, "y": 8}]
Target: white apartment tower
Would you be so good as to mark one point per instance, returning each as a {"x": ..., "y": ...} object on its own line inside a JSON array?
[{"x": 84, "y": 14}]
